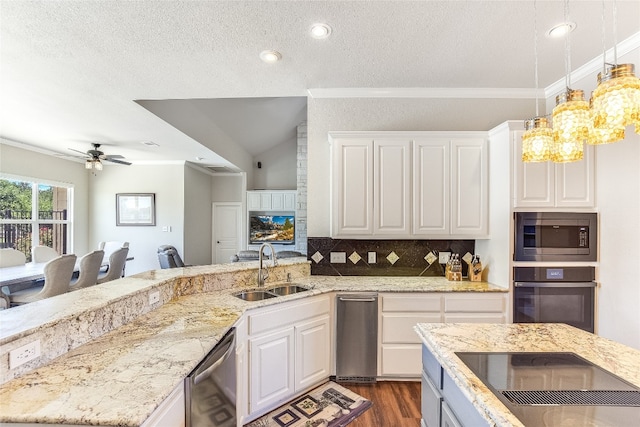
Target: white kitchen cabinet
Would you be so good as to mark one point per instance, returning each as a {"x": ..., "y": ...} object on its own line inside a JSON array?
[
  {"x": 553, "y": 185},
  {"x": 409, "y": 184},
  {"x": 392, "y": 187},
  {"x": 431, "y": 184},
  {"x": 312, "y": 360},
  {"x": 171, "y": 412},
  {"x": 352, "y": 187},
  {"x": 400, "y": 347},
  {"x": 371, "y": 187},
  {"x": 289, "y": 351},
  {"x": 271, "y": 368},
  {"x": 469, "y": 187},
  {"x": 281, "y": 200}
]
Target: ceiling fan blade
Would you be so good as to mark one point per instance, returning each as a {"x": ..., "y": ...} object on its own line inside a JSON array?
[
  {"x": 121, "y": 162},
  {"x": 114, "y": 156},
  {"x": 81, "y": 152}
]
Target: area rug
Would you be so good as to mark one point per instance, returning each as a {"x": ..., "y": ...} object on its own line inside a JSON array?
[{"x": 329, "y": 405}]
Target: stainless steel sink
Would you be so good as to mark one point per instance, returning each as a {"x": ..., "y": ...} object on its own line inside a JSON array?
[
  {"x": 255, "y": 295},
  {"x": 288, "y": 289}
]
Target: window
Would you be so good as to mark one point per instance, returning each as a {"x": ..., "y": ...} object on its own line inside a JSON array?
[{"x": 34, "y": 213}]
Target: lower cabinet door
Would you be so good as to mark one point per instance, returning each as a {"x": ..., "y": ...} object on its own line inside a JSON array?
[
  {"x": 448, "y": 419},
  {"x": 431, "y": 401},
  {"x": 401, "y": 360},
  {"x": 313, "y": 353},
  {"x": 271, "y": 368}
]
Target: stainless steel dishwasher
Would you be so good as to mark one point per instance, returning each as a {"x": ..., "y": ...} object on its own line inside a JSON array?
[
  {"x": 210, "y": 390},
  {"x": 357, "y": 338}
]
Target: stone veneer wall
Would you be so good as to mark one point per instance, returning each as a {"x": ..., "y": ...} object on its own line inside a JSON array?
[
  {"x": 393, "y": 257},
  {"x": 101, "y": 312},
  {"x": 301, "y": 196}
]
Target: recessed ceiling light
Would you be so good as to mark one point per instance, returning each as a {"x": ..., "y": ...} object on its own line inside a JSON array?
[
  {"x": 270, "y": 56},
  {"x": 320, "y": 31},
  {"x": 561, "y": 29}
]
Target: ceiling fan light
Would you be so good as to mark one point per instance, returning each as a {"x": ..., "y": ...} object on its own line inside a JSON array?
[
  {"x": 616, "y": 101},
  {"x": 88, "y": 164},
  {"x": 537, "y": 140},
  {"x": 97, "y": 164}
]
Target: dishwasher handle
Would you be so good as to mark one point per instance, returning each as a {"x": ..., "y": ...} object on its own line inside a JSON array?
[
  {"x": 214, "y": 360},
  {"x": 355, "y": 299}
]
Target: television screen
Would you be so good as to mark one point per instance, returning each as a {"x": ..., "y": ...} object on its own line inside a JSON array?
[{"x": 272, "y": 228}]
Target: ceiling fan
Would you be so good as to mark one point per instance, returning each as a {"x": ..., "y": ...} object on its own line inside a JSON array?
[{"x": 95, "y": 157}]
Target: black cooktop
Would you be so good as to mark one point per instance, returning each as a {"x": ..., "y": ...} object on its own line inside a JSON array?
[{"x": 556, "y": 388}]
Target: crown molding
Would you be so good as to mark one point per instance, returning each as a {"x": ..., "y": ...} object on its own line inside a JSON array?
[{"x": 594, "y": 66}]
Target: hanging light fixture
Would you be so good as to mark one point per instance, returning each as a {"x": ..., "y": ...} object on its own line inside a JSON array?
[
  {"x": 537, "y": 140},
  {"x": 571, "y": 114},
  {"x": 601, "y": 136},
  {"x": 93, "y": 164},
  {"x": 616, "y": 101}
]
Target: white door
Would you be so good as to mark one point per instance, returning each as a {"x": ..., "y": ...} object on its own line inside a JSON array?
[{"x": 227, "y": 231}]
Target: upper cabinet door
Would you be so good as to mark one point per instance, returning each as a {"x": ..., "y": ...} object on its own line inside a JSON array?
[
  {"x": 253, "y": 201},
  {"x": 549, "y": 185},
  {"x": 431, "y": 161},
  {"x": 392, "y": 187},
  {"x": 469, "y": 195},
  {"x": 352, "y": 187},
  {"x": 575, "y": 181}
]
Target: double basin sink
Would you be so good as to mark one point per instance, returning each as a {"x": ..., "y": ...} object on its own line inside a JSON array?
[{"x": 277, "y": 291}]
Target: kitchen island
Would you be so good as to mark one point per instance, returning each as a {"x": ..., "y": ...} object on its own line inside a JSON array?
[
  {"x": 456, "y": 381},
  {"x": 112, "y": 357}
]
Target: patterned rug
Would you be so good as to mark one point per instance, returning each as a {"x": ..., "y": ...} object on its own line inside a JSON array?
[{"x": 329, "y": 405}]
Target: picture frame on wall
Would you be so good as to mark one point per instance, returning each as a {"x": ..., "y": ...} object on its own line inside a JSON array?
[{"x": 135, "y": 209}]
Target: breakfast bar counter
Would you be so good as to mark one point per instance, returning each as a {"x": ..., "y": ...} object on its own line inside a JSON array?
[
  {"x": 444, "y": 343},
  {"x": 110, "y": 357}
]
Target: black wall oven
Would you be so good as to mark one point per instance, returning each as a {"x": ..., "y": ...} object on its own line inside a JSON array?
[
  {"x": 555, "y": 295},
  {"x": 556, "y": 236}
]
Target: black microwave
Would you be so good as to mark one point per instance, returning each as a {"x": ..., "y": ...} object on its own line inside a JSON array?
[{"x": 555, "y": 236}]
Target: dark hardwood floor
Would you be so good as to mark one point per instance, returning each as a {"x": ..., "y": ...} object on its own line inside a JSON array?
[{"x": 395, "y": 404}]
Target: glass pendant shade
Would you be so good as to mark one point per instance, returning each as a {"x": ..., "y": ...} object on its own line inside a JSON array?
[
  {"x": 616, "y": 100},
  {"x": 537, "y": 140},
  {"x": 571, "y": 117},
  {"x": 88, "y": 164}
]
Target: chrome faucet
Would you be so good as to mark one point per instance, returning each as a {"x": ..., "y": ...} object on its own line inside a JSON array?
[{"x": 263, "y": 273}]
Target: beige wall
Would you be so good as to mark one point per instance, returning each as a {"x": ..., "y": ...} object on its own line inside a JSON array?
[{"x": 278, "y": 171}]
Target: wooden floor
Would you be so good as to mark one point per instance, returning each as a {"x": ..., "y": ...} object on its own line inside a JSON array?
[{"x": 395, "y": 404}]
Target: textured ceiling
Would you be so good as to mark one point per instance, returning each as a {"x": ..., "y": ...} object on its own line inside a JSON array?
[{"x": 72, "y": 71}]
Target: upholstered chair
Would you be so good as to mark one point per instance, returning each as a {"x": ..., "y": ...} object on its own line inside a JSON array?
[
  {"x": 57, "y": 276},
  {"x": 43, "y": 254},
  {"x": 117, "y": 261},
  {"x": 169, "y": 258},
  {"x": 89, "y": 270},
  {"x": 11, "y": 257}
]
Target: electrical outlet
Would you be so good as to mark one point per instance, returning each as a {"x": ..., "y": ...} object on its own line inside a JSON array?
[
  {"x": 24, "y": 354},
  {"x": 338, "y": 257},
  {"x": 154, "y": 297},
  {"x": 443, "y": 257}
]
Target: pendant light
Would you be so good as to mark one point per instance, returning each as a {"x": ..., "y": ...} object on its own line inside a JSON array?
[
  {"x": 537, "y": 139},
  {"x": 616, "y": 101},
  {"x": 571, "y": 114}
]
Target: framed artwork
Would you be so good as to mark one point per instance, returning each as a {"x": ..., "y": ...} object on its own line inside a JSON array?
[{"x": 136, "y": 209}]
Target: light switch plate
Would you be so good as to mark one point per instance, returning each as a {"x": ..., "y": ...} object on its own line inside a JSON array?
[
  {"x": 371, "y": 257},
  {"x": 443, "y": 257},
  {"x": 154, "y": 297},
  {"x": 338, "y": 257}
]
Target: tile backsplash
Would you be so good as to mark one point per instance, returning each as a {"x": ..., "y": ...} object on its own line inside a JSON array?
[{"x": 350, "y": 257}]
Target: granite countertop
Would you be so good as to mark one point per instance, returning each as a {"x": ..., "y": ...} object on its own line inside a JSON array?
[
  {"x": 444, "y": 339},
  {"x": 120, "y": 377}
]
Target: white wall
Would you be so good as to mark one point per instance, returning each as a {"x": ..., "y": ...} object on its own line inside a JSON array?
[
  {"x": 167, "y": 182},
  {"x": 278, "y": 171},
  {"x": 227, "y": 188},
  {"x": 197, "y": 216},
  {"x": 31, "y": 164}
]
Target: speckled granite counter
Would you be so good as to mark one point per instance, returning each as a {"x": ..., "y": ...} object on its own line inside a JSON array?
[
  {"x": 443, "y": 340},
  {"x": 120, "y": 376}
]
